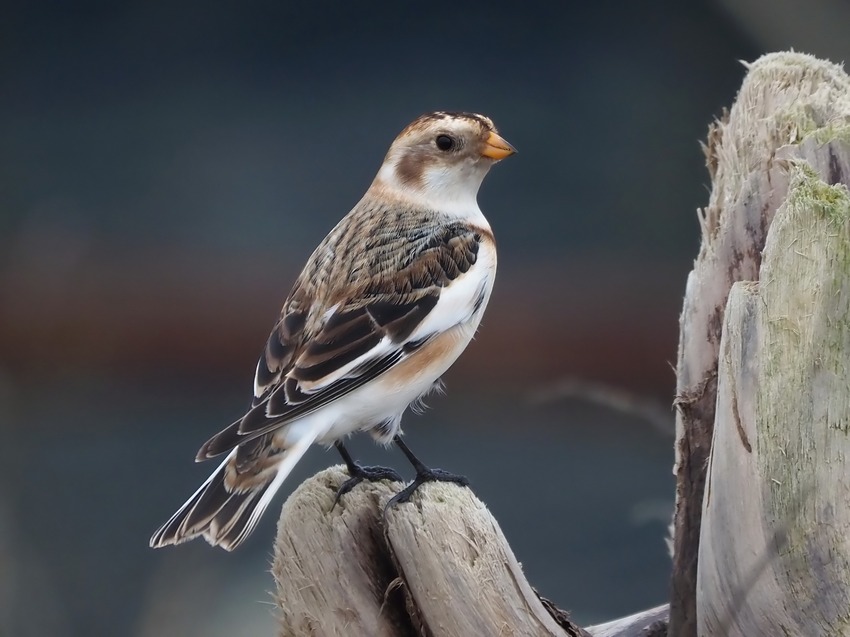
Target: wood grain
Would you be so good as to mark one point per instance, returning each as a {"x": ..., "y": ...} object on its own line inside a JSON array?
[
  {"x": 437, "y": 566},
  {"x": 785, "y": 99},
  {"x": 331, "y": 567},
  {"x": 775, "y": 539}
]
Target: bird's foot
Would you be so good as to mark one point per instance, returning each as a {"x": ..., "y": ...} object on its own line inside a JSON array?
[
  {"x": 360, "y": 473},
  {"x": 423, "y": 476}
]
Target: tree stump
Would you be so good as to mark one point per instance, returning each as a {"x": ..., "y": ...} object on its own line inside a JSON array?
[
  {"x": 774, "y": 233},
  {"x": 779, "y": 477}
]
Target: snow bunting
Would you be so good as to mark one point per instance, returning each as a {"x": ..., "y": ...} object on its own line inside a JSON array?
[{"x": 384, "y": 306}]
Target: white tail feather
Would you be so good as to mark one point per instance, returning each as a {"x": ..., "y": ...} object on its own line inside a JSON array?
[
  {"x": 290, "y": 458},
  {"x": 218, "y": 514},
  {"x": 160, "y": 537}
]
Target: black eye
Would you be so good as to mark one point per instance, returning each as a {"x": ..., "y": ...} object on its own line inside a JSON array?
[{"x": 444, "y": 142}]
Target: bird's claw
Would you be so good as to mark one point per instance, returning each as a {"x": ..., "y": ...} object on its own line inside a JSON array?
[
  {"x": 360, "y": 473},
  {"x": 428, "y": 475}
]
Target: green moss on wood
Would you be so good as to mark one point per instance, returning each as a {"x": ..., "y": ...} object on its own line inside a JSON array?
[
  {"x": 808, "y": 194},
  {"x": 832, "y": 132},
  {"x": 804, "y": 377}
]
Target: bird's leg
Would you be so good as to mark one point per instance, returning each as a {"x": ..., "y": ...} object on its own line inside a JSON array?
[
  {"x": 423, "y": 475},
  {"x": 359, "y": 473}
]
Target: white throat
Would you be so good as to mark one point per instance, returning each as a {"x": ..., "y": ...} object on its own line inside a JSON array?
[{"x": 452, "y": 191}]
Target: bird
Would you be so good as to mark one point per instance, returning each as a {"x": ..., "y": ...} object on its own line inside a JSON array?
[{"x": 383, "y": 307}]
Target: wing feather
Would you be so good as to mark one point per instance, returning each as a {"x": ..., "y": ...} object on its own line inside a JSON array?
[{"x": 315, "y": 356}]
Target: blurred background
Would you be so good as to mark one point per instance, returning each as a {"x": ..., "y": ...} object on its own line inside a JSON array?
[{"x": 166, "y": 169}]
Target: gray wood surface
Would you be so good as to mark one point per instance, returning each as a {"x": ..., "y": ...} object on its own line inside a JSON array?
[
  {"x": 460, "y": 574},
  {"x": 775, "y": 543},
  {"x": 437, "y": 566},
  {"x": 786, "y": 101},
  {"x": 331, "y": 567},
  {"x": 647, "y": 623}
]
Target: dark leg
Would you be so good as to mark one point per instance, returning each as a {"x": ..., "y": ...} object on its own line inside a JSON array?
[
  {"x": 423, "y": 475},
  {"x": 360, "y": 473}
]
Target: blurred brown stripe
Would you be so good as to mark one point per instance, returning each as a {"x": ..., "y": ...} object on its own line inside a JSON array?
[{"x": 609, "y": 321}]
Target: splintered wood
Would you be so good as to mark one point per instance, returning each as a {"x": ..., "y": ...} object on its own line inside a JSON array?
[
  {"x": 438, "y": 565},
  {"x": 762, "y": 525}
]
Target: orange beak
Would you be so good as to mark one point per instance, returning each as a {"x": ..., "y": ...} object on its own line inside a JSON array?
[{"x": 497, "y": 148}]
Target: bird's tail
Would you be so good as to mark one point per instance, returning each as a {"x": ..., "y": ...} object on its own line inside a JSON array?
[{"x": 225, "y": 512}]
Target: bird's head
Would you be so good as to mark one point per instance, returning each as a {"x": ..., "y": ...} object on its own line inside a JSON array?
[{"x": 442, "y": 158}]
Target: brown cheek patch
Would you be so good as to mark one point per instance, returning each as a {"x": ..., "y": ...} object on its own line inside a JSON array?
[{"x": 410, "y": 169}]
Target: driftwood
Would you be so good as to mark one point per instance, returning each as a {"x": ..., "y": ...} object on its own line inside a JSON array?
[
  {"x": 438, "y": 565},
  {"x": 773, "y": 221},
  {"x": 778, "y": 480},
  {"x": 761, "y": 540}
]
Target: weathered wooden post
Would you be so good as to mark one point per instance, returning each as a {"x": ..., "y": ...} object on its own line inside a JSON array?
[
  {"x": 772, "y": 211},
  {"x": 437, "y": 566}
]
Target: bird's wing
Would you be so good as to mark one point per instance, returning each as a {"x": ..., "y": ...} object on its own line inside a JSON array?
[{"x": 361, "y": 337}]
